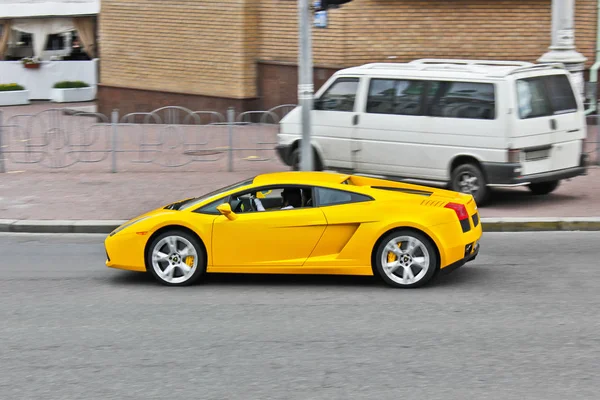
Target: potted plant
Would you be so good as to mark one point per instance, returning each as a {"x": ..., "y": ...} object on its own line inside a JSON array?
[
  {"x": 72, "y": 92},
  {"x": 31, "y": 62},
  {"x": 12, "y": 94}
]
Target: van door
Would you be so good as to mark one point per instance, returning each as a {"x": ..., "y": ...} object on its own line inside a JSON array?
[
  {"x": 388, "y": 137},
  {"x": 334, "y": 120},
  {"x": 549, "y": 126}
]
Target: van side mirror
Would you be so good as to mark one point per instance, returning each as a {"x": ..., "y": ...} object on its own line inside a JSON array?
[
  {"x": 225, "y": 209},
  {"x": 317, "y": 104}
]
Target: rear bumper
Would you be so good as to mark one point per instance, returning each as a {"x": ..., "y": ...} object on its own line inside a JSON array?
[
  {"x": 468, "y": 258},
  {"x": 508, "y": 174}
]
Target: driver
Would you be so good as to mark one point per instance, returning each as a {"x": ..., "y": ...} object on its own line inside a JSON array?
[{"x": 292, "y": 198}]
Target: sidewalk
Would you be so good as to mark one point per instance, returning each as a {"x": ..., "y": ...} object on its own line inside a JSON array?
[{"x": 70, "y": 195}]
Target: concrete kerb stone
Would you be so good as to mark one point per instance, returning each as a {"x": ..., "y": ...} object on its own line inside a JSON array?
[
  {"x": 489, "y": 225},
  {"x": 540, "y": 224}
]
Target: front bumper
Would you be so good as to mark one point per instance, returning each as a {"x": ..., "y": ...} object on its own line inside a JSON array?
[
  {"x": 284, "y": 152},
  {"x": 505, "y": 174},
  {"x": 468, "y": 258}
]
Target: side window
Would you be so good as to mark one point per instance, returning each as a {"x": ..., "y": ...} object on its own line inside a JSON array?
[
  {"x": 272, "y": 199},
  {"x": 469, "y": 100},
  {"x": 328, "y": 197},
  {"x": 211, "y": 208},
  {"x": 560, "y": 93},
  {"x": 340, "y": 96},
  {"x": 531, "y": 99},
  {"x": 394, "y": 96}
]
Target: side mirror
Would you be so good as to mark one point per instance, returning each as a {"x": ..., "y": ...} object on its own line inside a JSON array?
[
  {"x": 225, "y": 209},
  {"x": 317, "y": 104}
]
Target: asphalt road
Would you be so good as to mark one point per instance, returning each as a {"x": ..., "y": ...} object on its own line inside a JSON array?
[{"x": 521, "y": 322}]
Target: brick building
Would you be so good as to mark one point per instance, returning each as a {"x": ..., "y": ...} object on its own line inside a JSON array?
[{"x": 211, "y": 54}]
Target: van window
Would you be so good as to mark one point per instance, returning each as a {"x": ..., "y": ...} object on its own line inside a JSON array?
[
  {"x": 532, "y": 100},
  {"x": 561, "y": 94},
  {"x": 395, "y": 96},
  {"x": 464, "y": 100},
  {"x": 340, "y": 96},
  {"x": 544, "y": 96}
]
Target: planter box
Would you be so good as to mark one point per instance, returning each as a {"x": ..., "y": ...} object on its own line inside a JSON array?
[
  {"x": 75, "y": 95},
  {"x": 13, "y": 98}
]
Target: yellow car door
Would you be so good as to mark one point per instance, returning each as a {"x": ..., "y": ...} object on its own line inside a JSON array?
[{"x": 268, "y": 238}]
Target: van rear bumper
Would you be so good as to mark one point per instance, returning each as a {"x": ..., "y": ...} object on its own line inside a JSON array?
[{"x": 508, "y": 174}]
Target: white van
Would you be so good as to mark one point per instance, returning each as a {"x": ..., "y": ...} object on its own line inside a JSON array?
[{"x": 466, "y": 124}]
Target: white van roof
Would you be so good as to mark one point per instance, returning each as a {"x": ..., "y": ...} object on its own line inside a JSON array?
[{"x": 451, "y": 68}]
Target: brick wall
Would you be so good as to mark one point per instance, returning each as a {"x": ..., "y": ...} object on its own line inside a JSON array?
[
  {"x": 244, "y": 49},
  {"x": 373, "y": 30},
  {"x": 203, "y": 47}
]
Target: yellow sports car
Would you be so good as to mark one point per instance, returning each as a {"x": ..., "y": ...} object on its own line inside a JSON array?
[{"x": 304, "y": 223}]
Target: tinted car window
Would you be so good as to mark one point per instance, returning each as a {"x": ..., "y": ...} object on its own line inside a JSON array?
[
  {"x": 560, "y": 93},
  {"x": 340, "y": 96},
  {"x": 532, "y": 100},
  {"x": 464, "y": 100},
  {"x": 394, "y": 96},
  {"x": 329, "y": 197}
]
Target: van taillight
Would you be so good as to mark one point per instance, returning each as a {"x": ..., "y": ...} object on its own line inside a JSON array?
[
  {"x": 514, "y": 155},
  {"x": 459, "y": 209}
]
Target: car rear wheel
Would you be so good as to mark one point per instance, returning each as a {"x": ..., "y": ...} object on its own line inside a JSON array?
[
  {"x": 543, "y": 187},
  {"x": 175, "y": 258},
  {"x": 468, "y": 178},
  {"x": 406, "y": 259}
]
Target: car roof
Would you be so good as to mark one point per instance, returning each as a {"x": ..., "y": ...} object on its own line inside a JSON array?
[
  {"x": 301, "y": 178},
  {"x": 451, "y": 68}
]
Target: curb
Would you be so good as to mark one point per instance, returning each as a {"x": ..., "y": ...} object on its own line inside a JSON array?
[{"x": 488, "y": 224}]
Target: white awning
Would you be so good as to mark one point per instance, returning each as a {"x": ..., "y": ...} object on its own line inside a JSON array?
[{"x": 41, "y": 8}]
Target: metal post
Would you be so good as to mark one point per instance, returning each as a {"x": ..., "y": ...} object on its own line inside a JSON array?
[
  {"x": 2, "y": 167},
  {"x": 305, "y": 83},
  {"x": 562, "y": 49},
  {"x": 598, "y": 137},
  {"x": 230, "y": 122},
  {"x": 114, "y": 122}
]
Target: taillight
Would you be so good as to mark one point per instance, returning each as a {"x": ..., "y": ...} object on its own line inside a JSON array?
[
  {"x": 459, "y": 209},
  {"x": 514, "y": 155}
]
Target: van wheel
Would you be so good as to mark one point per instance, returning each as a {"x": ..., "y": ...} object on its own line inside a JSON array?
[
  {"x": 543, "y": 187},
  {"x": 295, "y": 160},
  {"x": 468, "y": 178}
]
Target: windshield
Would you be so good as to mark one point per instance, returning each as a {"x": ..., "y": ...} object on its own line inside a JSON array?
[{"x": 197, "y": 200}]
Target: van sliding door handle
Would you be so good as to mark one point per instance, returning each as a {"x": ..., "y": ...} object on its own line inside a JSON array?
[
  {"x": 553, "y": 124},
  {"x": 355, "y": 120}
]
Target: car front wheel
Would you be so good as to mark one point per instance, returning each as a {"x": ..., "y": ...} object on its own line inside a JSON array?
[
  {"x": 406, "y": 259},
  {"x": 175, "y": 258}
]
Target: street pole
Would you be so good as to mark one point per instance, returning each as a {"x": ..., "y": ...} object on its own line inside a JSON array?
[
  {"x": 562, "y": 50},
  {"x": 305, "y": 83}
]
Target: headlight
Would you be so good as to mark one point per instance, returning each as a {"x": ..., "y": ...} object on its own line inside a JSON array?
[{"x": 127, "y": 224}]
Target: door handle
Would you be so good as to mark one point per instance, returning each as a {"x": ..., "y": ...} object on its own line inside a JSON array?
[
  {"x": 553, "y": 124},
  {"x": 355, "y": 120}
]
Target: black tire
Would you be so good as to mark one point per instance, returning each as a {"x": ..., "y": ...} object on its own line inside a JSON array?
[
  {"x": 543, "y": 187},
  {"x": 391, "y": 278},
  {"x": 481, "y": 193},
  {"x": 198, "y": 270},
  {"x": 295, "y": 160}
]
